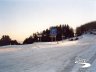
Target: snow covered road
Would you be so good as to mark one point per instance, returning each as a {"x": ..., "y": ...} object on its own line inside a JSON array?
[{"x": 49, "y": 57}]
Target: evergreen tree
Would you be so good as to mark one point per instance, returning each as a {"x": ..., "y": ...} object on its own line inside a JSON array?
[
  {"x": 5, "y": 40},
  {"x": 14, "y": 42},
  {"x": 85, "y": 28},
  {"x": 35, "y": 37},
  {"x": 59, "y": 33},
  {"x": 29, "y": 40}
]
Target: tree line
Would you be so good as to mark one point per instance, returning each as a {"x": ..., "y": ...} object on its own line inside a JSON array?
[
  {"x": 6, "y": 40},
  {"x": 63, "y": 32},
  {"x": 88, "y": 27}
]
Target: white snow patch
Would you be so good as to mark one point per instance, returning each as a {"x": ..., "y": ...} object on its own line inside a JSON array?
[{"x": 49, "y": 56}]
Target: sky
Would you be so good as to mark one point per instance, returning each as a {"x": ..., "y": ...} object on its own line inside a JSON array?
[{"x": 21, "y": 18}]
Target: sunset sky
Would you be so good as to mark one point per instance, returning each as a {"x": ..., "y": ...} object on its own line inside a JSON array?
[{"x": 20, "y": 18}]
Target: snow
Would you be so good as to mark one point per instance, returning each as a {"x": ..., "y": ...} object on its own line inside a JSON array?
[{"x": 49, "y": 56}]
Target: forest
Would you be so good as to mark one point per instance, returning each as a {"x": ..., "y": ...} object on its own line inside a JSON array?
[{"x": 63, "y": 31}]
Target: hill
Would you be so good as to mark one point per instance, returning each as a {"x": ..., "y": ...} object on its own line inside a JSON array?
[{"x": 86, "y": 28}]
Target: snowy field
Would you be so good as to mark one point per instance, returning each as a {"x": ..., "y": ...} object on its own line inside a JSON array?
[{"x": 50, "y": 57}]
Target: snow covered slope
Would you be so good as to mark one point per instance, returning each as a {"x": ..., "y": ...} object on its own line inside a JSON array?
[{"x": 50, "y": 56}]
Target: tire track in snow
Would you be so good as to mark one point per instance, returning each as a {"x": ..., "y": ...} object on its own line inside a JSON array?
[
  {"x": 91, "y": 60},
  {"x": 70, "y": 65}
]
